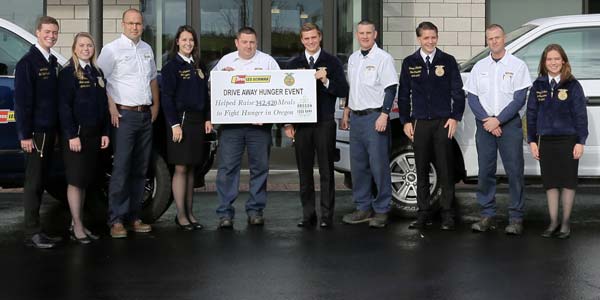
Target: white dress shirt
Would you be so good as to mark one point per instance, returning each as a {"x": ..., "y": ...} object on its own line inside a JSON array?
[
  {"x": 45, "y": 53},
  {"x": 260, "y": 61},
  {"x": 496, "y": 82},
  {"x": 369, "y": 76},
  {"x": 128, "y": 69}
]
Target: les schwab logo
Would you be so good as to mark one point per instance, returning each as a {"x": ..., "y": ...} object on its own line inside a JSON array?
[
  {"x": 7, "y": 116},
  {"x": 243, "y": 79}
]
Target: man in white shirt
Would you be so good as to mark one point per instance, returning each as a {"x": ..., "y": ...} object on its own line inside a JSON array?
[
  {"x": 130, "y": 71},
  {"x": 497, "y": 88},
  {"x": 233, "y": 138},
  {"x": 373, "y": 84}
]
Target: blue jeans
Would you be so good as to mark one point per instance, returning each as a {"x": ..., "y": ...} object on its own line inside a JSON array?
[
  {"x": 232, "y": 141},
  {"x": 510, "y": 145},
  {"x": 132, "y": 144},
  {"x": 369, "y": 161}
]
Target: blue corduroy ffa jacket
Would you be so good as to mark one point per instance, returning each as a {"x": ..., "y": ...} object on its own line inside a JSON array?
[
  {"x": 36, "y": 97},
  {"x": 561, "y": 112},
  {"x": 436, "y": 95}
]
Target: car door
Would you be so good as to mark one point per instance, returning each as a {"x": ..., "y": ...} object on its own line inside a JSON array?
[{"x": 582, "y": 45}]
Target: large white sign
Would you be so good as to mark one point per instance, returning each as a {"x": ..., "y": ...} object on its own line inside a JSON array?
[{"x": 263, "y": 96}]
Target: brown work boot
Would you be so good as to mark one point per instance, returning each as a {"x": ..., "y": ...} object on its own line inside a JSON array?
[
  {"x": 117, "y": 231},
  {"x": 139, "y": 226}
]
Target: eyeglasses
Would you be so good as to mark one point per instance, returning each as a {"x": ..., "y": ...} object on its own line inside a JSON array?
[{"x": 131, "y": 24}]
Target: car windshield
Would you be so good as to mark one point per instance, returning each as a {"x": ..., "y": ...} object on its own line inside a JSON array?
[{"x": 510, "y": 37}]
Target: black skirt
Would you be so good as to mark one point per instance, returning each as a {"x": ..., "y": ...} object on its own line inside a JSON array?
[
  {"x": 190, "y": 151},
  {"x": 559, "y": 169},
  {"x": 80, "y": 167}
]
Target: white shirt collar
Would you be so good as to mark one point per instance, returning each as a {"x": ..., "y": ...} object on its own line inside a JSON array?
[
  {"x": 557, "y": 78},
  {"x": 45, "y": 53},
  {"x": 83, "y": 64},
  {"x": 424, "y": 55},
  {"x": 188, "y": 60},
  {"x": 315, "y": 56}
]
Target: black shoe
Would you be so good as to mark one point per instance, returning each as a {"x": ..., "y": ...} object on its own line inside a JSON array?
[
  {"x": 196, "y": 225},
  {"x": 448, "y": 224},
  {"x": 564, "y": 234},
  {"x": 307, "y": 222},
  {"x": 548, "y": 233},
  {"x": 186, "y": 227},
  {"x": 54, "y": 239},
  {"x": 421, "y": 222},
  {"x": 225, "y": 223},
  {"x": 40, "y": 241},
  {"x": 83, "y": 241},
  {"x": 256, "y": 220},
  {"x": 326, "y": 223}
]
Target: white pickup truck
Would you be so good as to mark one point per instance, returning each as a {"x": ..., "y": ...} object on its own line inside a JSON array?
[{"x": 580, "y": 37}]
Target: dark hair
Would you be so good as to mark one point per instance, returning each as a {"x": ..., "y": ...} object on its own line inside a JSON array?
[
  {"x": 494, "y": 26},
  {"x": 131, "y": 10},
  {"x": 45, "y": 20},
  {"x": 308, "y": 27},
  {"x": 367, "y": 22},
  {"x": 565, "y": 71},
  {"x": 246, "y": 30},
  {"x": 426, "y": 26},
  {"x": 195, "y": 50}
]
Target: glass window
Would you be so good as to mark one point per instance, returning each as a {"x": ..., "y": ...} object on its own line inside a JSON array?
[
  {"x": 161, "y": 20},
  {"x": 350, "y": 12},
  {"x": 219, "y": 23},
  {"x": 514, "y": 13},
  {"x": 582, "y": 46},
  {"x": 12, "y": 48},
  {"x": 22, "y": 12}
]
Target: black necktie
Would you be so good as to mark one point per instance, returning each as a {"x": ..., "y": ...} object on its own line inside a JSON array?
[
  {"x": 552, "y": 86},
  {"x": 427, "y": 63},
  {"x": 88, "y": 70},
  {"x": 311, "y": 62}
]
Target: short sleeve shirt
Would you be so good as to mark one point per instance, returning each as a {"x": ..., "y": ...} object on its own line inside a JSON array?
[
  {"x": 128, "y": 69},
  {"x": 260, "y": 61},
  {"x": 495, "y": 83},
  {"x": 369, "y": 76}
]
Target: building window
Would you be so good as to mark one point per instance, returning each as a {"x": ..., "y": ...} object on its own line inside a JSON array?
[
  {"x": 161, "y": 20},
  {"x": 22, "y": 12},
  {"x": 349, "y": 13}
]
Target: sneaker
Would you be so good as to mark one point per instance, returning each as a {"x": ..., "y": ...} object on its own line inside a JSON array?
[
  {"x": 256, "y": 220},
  {"x": 139, "y": 226},
  {"x": 358, "y": 216},
  {"x": 483, "y": 225},
  {"x": 515, "y": 227},
  {"x": 379, "y": 220},
  {"x": 117, "y": 231},
  {"x": 225, "y": 223}
]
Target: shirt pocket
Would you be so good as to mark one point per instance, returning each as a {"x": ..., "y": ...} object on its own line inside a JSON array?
[
  {"x": 127, "y": 64},
  {"x": 483, "y": 83},
  {"x": 369, "y": 76}
]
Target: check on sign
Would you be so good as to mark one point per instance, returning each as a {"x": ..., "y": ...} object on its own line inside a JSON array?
[{"x": 263, "y": 96}]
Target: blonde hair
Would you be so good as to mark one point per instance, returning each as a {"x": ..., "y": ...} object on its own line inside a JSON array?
[{"x": 78, "y": 71}]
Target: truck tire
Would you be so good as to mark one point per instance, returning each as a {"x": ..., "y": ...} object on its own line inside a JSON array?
[
  {"x": 157, "y": 193},
  {"x": 404, "y": 182}
]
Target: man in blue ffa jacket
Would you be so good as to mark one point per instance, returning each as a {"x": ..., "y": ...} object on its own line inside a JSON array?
[
  {"x": 317, "y": 137},
  {"x": 431, "y": 79},
  {"x": 36, "y": 80}
]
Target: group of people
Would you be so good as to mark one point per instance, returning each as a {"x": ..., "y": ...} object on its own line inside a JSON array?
[{"x": 117, "y": 96}]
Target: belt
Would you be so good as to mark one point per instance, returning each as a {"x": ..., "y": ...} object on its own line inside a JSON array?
[
  {"x": 367, "y": 111},
  {"x": 141, "y": 108}
]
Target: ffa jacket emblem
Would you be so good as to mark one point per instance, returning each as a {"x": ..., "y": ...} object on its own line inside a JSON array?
[
  {"x": 200, "y": 73},
  {"x": 562, "y": 94},
  {"x": 439, "y": 70},
  {"x": 101, "y": 82}
]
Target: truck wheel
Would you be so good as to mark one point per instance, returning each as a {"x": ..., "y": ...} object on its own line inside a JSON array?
[
  {"x": 157, "y": 193},
  {"x": 404, "y": 182}
]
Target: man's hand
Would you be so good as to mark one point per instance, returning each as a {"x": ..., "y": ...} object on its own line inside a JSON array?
[
  {"x": 491, "y": 123},
  {"x": 114, "y": 113},
  {"x": 451, "y": 125},
  {"x": 345, "y": 117},
  {"x": 409, "y": 131},
  {"x": 321, "y": 74},
  {"x": 27, "y": 145},
  {"x": 289, "y": 131},
  {"x": 208, "y": 127},
  {"x": 577, "y": 151},
  {"x": 154, "y": 112},
  {"x": 155, "y": 99},
  {"x": 104, "y": 142},
  {"x": 497, "y": 132},
  {"x": 177, "y": 134},
  {"x": 381, "y": 122},
  {"x": 535, "y": 152},
  {"x": 75, "y": 144}
]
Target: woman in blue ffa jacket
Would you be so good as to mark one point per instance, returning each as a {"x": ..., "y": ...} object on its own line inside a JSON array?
[
  {"x": 186, "y": 107},
  {"x": 557, "y": 128},
  {"x": 83, "y": 112}
]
